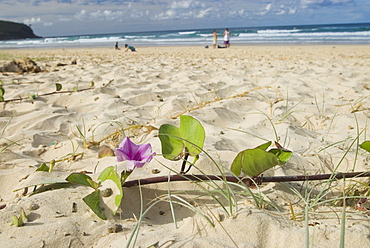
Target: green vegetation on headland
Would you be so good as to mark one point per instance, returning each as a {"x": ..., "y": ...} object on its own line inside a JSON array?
[{"x": 15, "y": 31}]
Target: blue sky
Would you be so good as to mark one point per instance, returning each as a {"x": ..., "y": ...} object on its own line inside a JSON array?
[{"x": 70, "y": 17}]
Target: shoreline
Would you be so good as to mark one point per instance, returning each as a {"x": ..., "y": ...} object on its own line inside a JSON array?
[
  {"x": 185, "y": 46},
  {"x": 66, "y": 51}
]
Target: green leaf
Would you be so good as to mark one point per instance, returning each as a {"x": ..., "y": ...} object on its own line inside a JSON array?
[
  {"x": 253, "y": 162},
  {"x": 264, "y": 146},
  {"x": 21, "y": 220},
  {"x": 58, "y": 87},
  {"x": 23, "y": 216},
  {"x": 190, "y": 136},
  {"x": 282, "y": 155},
  {"x": 43, "y": 167},
  {"x": 93, "y": 201},
  {"x": 195, "y": 159},
  {"x": 172, "y": 145},
  {"x": 193, "y": 134},
  {"x": 2, "y": 91},
  {"x": 365, "y": 145},
  {"x": 110, "y": 173},
  {"x": 17, "y": 221},
  {"x": 31, "y": 96},
  {"x": 124, "y": 175},
  {"x": 2, "y": 99},
  {"x": 83, "y": 179},
  {"x": 14, "y": 220},
  {"x": 75, "y": 89}
]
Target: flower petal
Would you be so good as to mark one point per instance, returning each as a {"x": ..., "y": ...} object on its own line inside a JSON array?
[
  {"x": 121, "y": 155},
  {"x": 139, "y": 164},
  {"x": 128, "y": 147},
  {"x": 136, "y": 155},
  {"x": 130, "y": 165},
  {"x": 145, "y": 151}
]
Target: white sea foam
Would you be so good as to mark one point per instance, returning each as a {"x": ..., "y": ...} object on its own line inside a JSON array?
[
  {"x": 277, "y": 31},
  {"x": 187, "y": 32}
]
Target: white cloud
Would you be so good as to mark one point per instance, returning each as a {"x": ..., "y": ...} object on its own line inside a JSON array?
[
  {"x": 203, "y": 13},
  {"x": 135, "y": 14},
  {"x": 180, "y": 5},
  {"x": 82, "y": 15},
  {"x": 100, "y": 15},
  {"x": 35, "y": 20},
  {"x": 32, "y": 20},
  {"x": 165, "y": 15},
  {"x": 292, "y": 11},
  {"x": 268, "y": 7},
  {"x": 284, "y": 10},
  {"x": 237, "y": 13},
  {"x": 170, "y": 13}
]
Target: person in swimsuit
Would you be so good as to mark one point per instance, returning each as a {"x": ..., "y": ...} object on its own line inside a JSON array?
[
  {"x": 130, "y": 47},
  {"x": 214, "y": 38}
]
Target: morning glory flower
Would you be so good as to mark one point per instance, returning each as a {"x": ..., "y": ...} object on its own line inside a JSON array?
[{"x": 136, "y": 155}]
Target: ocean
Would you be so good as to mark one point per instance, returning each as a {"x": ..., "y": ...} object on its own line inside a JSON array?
[{"x": 358, "y": 33}]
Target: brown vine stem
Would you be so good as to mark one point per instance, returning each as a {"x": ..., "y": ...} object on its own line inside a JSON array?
[{"x": 248, "y": 181}]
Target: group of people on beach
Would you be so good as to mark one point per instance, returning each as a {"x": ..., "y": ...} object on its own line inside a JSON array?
[
  {"x": 226, "y": 35},
  {"x": 126, "y": 46}
]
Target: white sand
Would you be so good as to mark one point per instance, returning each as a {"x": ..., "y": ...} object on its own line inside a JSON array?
[{"x": 315, "y": 96}]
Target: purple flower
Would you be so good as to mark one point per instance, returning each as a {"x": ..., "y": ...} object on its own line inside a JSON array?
[{"x": 136, "y": 155}]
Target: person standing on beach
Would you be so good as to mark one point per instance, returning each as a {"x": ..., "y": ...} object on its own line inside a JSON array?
[
  {"x": 130, "y": 47},
  {"x": 214, "y": 38},
  {"x": 227, "y": 38},
  {"x": 116, "y": 46}
]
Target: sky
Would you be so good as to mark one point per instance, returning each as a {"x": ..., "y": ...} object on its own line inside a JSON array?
[{"x": 76, "y": 17}]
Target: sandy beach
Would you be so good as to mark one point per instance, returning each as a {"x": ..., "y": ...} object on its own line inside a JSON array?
[{"x": 313, "y": 100}]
